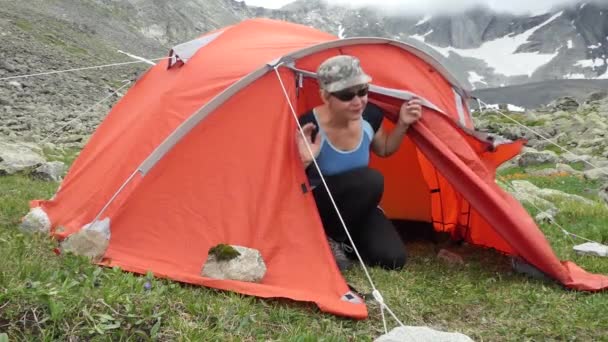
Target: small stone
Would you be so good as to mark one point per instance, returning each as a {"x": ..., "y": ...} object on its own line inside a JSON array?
[
  {"x": 421, "y": 334},
  {"x": 592, "y": 248},
  {"x": 450, "y": 257},
  {"x": 544, "y": 217},
  {"x": 91, "y": 241},
  {"x": 50, "y": 171},
  {"x": 36, "y": 221},
  {"x": 88, "y": 243},
  {"x": 248, "y": 266},
  {"x": 523, "y": 267}
]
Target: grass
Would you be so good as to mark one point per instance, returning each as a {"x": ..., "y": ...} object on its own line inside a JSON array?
[
  {"x": 46, "y": 297},
  {"x": 572, "y": 184},
  {"x": 495, "y": 117}
]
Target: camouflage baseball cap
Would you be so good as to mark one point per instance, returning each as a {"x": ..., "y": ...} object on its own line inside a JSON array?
[{"x": 341, "y": 72}]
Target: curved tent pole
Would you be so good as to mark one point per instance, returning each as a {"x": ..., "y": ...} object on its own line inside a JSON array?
[{"x": 193, "y": 120}]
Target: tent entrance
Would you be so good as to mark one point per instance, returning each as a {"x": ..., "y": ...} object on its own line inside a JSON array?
[{"x": 414, "y": 192}]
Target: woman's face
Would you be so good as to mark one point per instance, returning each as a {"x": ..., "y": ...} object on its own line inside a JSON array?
[{"x": 348, "y": 103}]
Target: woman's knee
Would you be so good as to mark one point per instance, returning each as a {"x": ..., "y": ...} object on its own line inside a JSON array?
[{"x": 388, "y": 259}]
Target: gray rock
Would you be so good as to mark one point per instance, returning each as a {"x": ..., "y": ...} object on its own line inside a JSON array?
[
  {"x": 592, "y": 248},
  {"x": 595, "y": 174},
  {"x": 450, "y": 257},
  {"x": 16, "y": 157},
  {"x": 248, "y": 266},
  {"x": 535, "y": 200},
  {"x": 573, "y": 158},
  {"x": 50, "y": 171},
  {"x": 596, "y": 96},
  {"x": 36, "y": 221},
  {"x": 533, "y": 157},
  {"x": 523, "y": 188},
  {"x": 566, "y": 103},
  {"x": 421, "y": 334},
  {"x": 584, "y": 143},
  {"x": 545, "y": 217},
  {"x": 91, "y": 241},
  {"x": 603, "y": 193},
  {"x": 567, "y": 169},
  {"x": 521, "y": 266},
  {"x": 543, "y": 172}
]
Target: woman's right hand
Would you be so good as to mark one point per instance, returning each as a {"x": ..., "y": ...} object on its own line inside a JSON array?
[{"x": 315, "y": 145}]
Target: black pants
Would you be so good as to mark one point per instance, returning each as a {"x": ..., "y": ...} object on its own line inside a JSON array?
[{"x": 357, "y": 194}]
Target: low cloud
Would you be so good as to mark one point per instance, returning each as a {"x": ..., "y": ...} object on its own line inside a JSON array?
[{"x": 418, "y": 7}]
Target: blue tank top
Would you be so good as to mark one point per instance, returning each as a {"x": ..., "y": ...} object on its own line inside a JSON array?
[{"x": 333, "y": 161}]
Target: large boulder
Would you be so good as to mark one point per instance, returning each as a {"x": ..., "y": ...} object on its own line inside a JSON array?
[
  {"x": 566, "y": 103},
  {"x": 17, "y": 157},
  {"x": 596, "y": 97},
  {"x": 534, "y": 157},
  {"x": 600, "y": 173}
]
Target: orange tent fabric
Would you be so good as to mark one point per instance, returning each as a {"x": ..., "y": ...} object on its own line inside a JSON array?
[{"x": 201, "y": 152}]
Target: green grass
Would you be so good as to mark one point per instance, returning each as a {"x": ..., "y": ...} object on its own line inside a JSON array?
[
  {"x": 567, "y": 183},
  {"x": 45, "y": 297}
]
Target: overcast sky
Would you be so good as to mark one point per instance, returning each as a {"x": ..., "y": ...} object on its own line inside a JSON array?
[{"x": 433, "y": 6}]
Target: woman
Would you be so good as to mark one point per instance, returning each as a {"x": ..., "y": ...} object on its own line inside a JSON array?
[{"x": 341, "y": 133}]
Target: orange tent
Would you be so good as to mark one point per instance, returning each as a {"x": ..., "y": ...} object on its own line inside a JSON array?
[{"x": 201, "y": 151}]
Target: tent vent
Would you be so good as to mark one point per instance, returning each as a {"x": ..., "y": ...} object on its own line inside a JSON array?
[
  {"x": 459, "y": 107},
  {"x": 181, "y": 53},
  {"x": 433, "y": 191}
]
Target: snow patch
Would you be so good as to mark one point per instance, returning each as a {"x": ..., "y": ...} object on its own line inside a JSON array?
[
  {"x": 582, "y": 6},
  {"x": 423, "y": 20},
  {"x": 476, "y": 78},
  {"x": 341, "y": 32},
  {"x": 595, "y": 46},
  {"x": 570, "y": 44},
  {"x": 574, "y": 76},
  {"x": 421, "y": 38},
  {"x": 590, "y": 63},
  {"x": 500, "y": 53},
  {"x": 510, "y": 107}
]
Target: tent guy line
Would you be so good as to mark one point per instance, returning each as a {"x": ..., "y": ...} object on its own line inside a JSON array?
[
  {"x": 114, "y": 92},
  {"x": 54, "y": 72}
]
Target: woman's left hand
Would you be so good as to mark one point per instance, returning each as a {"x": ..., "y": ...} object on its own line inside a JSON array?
[{"x": 410, "y": 112}]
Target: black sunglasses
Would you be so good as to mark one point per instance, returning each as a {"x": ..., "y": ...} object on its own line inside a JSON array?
[{"x": 348, "y": 94}]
